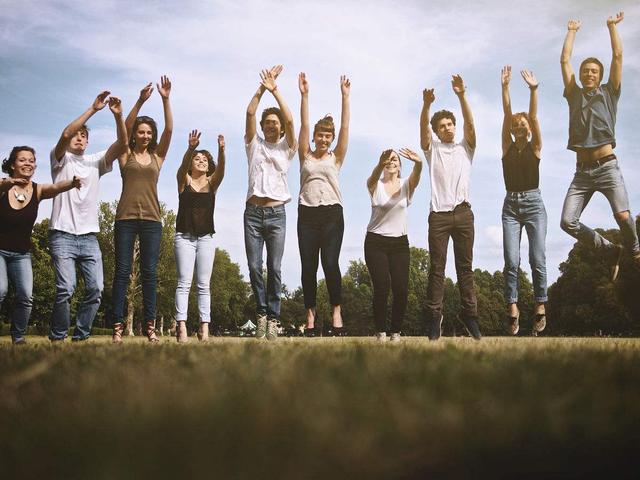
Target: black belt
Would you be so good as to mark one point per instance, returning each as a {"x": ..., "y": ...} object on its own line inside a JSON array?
[{"x": 596, "y": 163}]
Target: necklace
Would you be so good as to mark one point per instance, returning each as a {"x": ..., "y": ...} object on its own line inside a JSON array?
[{"x": 21, "y": 197}]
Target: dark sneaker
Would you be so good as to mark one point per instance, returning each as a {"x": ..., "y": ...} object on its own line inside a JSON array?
[
  {"x": 471, "y": 325},
  {"x": 311, "y": 332},
  {"x": 339, "y": 331},
  {"x": 614, "y": 256},
  {"x": 18, "y": 341},
  {"x": 512, "y": 324},
  {"x": 435, "y": 328},
  {"x": 539, "y": 322}
]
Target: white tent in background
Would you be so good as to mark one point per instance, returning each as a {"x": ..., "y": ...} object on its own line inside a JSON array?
[{"x": 248, "y": 326}]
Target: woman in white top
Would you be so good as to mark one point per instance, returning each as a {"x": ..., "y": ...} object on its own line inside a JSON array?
[
  {"x": 320, "y": 218},
  {"x": 386, "y": 246}
]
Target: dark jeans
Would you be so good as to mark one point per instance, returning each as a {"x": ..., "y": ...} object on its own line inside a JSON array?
[
  {"x": 387, "y": 259},
  {"x": 457, "y": 224},
  {"x": 320, "y": 232},
  {"x": 149, "y": 233}
]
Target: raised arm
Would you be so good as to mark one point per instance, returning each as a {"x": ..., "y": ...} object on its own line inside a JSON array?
[
  {"x": 164, "y": 89},
  {"x": 469, "y": 128},
  {"x": 343, "y": 136},
  {"x": 145, "y": 93},
  {"x": 303, "y": 137},
  {"x": 118, "y": 147},
  {"x": 218, "y": 175},
  {"x": 372, "y": 181},
  {"x": 414, "y": 177},
  {"x": 505, "y": 78},
  {"x": 428, "y": 98},
  {"x": 50, "y": 190},
  {"x": 568, "y": 77},
  {"x": 250, "y": 122},
  {"x": 71, "y": 129},
  {"x": 183, "y": 170},
  {"x": 615, "y": 73},
  {"x": 268, "y": 81},
  {"x": 534, "y": 124}
]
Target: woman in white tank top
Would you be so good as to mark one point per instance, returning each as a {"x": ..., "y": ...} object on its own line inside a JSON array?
[{"x": 320, "y": 218}]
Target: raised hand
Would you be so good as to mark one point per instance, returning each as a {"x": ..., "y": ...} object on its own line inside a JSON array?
[
  {"x": 164, "y": 89},
  {"x": 101, "y": 100},
  {"x": 76, "y": 183},
  {"x": 505, "y": 75},
  {"x": 16, "y": 181},
  {"x": 529, "y": 78},
  {"x": 276, "y": 70},
  {"x": 345, "y": 85},
  {"x": 457, "y": 84},
  {"x": 410, "y": 155},
  {"x": 268, "y": 81},
  {"x": 303, "y": 85},
  {"x": 615, "y": 20},
  {"x": 115, "y": 105},
  {"x": 221, "y": 142},
  {"x": 146, "y": 92},
  {"x": 574, "y": 25},
  {"x": 428, "y": 97},
  {"x": 194, "y": 139}
]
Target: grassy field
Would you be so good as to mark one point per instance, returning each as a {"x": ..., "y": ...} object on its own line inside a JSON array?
[{"x": 321, "y": 408}]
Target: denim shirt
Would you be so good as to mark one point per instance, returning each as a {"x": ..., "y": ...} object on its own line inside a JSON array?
[{"x": 592, "y": 117}]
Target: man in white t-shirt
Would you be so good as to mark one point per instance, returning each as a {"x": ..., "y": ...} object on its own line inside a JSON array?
[
  {"x": 74, "y": 219},
  {"x": 265, "y": 220},
  {"x": 450, "y": 215}
]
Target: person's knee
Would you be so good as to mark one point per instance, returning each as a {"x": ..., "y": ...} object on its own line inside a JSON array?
[
  {"x": 569, "y": 225},
  {"x": 622, "y": 217}
]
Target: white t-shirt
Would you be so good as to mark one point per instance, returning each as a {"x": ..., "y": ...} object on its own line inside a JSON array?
[
  {"x": 76, "y": 211},
  {"x": 389, "y": 214},
  {"x": 449, "y": 172},
  {"x": 268, "y": 166}
]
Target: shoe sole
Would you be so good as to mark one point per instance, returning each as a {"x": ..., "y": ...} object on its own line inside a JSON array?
[{"x": 615, "y": 269}]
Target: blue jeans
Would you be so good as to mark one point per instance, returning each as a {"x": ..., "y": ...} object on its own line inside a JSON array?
[
  {"x": 16, "y": 267},
  {"x": 265, "y": 225},
  {"x": 149, "y": 233},
  {"x": 67, "y": 251},
  {"x": 524, "y": 209},
  {"x": 607, "y": 179},
  {"x": 320, "y": 232},
  {"x": 199, "y": 252}
]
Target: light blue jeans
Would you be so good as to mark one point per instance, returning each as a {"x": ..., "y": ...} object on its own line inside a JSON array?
[
  {"x": 16, "y": 268},
  {"x": 194, "y": 251},
  {"x": 265, "y": 225},
  {"x": 67, "y": 251},
  {"x": 608, "y": 180},
  {"x": 524, "y": 209}
]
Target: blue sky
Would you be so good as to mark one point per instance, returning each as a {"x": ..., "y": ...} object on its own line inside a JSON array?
[{"x": 56, "y": 56}]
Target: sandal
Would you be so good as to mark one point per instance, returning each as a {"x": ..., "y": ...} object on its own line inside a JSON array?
[
  {"x": 539, "y": 322},
  {"x": 118, "y": 328},
  {"x": 512, "y": 324},
  {"x": 151, "y": 332}
]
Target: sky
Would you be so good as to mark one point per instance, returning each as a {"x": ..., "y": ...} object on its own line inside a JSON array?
[{"x": 56, "y": 56}]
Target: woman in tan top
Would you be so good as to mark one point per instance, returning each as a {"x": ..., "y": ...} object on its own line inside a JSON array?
[
  {"x": 320, "y": 218},
  {"x": 138, "y": 212}
]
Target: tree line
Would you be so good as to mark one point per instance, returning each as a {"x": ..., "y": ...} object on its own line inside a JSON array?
[{"x": 581, "y": 302}]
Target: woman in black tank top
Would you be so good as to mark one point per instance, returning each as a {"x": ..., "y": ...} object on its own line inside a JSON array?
[
  {"x": 19, "y": 200},
  {"x": 523, "y": 206},
  {"x": 198, "y": 180}
]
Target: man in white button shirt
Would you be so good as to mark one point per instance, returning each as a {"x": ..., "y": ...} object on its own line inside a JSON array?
[
  {"x": 265, "y": 220},
  {"x": 450, "y": 215}
]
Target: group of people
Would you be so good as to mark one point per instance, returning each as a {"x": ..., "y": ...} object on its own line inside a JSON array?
[{"x": 320, "y": 227}]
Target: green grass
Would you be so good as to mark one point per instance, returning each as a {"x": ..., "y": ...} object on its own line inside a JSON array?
[{"x": 320, "y": 408}]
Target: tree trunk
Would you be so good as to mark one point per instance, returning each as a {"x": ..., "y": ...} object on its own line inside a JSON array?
[
  {"x": 161, "y": 328},
  {"x": 133, "y": 286}
]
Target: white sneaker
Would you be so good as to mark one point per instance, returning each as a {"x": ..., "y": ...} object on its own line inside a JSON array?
[
  {"x": 395, "y": 337},
  {"x": 261, "y": 326},
  {"x": 381, "y": 337},
  {"x": 272, "y": 330}
]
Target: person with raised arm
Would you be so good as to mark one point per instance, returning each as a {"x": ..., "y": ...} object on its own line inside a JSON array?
[
  {"x": 198, "y": 180},
  {"x": 523, "y": 205},
  {"x": 320, "y": 217},
  {"x": 592, "y": 120},
  {"x": 74, "y": 219},
  {"x": 450, "y": 211},
  {"x": 386, "y": 246},
  {"x": 20, "y": 197},
  {"x": 265, "y": 220},
  {"x": 138, "y": 212}
]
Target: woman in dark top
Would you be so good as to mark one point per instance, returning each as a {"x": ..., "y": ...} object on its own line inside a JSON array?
[
  {"x": 198, "y": 180},
  {"x": 19, "y": 200},
  {"x": 523, "y": 206}
]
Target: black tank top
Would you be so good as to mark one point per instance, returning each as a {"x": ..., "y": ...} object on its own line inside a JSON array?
[
  {"x": 520, "y": 169},
  {"x": 16, "y": 225},
  {"x": 195, "y": 211}
]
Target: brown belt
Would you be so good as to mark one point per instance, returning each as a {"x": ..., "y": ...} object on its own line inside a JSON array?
[{"x": 596, "y": 163}]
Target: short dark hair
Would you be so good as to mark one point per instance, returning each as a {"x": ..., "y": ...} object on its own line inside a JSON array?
[
  {"x": 325, "y": 124},
  {"x": 212, "y": 164},
  {"x": 154, "y": 133},
  {"x": 84, "y": 129},
  {"x": 7, "y": 163},
  {"x": 592, "y": 60},
  {"x": 275, "y": 111},
  {"x": 439, "y": 116}
]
